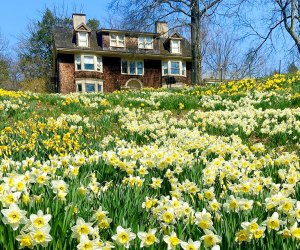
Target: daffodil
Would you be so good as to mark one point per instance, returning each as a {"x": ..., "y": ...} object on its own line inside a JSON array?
[
  {"x": 41, "y": 236},
  {"x": 81, "y": 228},
  {"x": 273, "y": 222},
  {"x": 123, "y": 236},
  {"x": 295, "y": 231},
  {"x": 25, "y": 240},
  {"x": 148, "y": 238},
  {"x": 14, "y": 216},
  {"x": 190, "y": 245},
  {"x": 40, "y": 220},
  {"x": 86, "y": 244},
  {"x": 172, "y": 241},
  {"x": 210, "y": 239}
]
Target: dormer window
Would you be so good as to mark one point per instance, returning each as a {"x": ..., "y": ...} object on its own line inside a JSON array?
[
  {"x": 175, "y": 47},
  {"x": 117, "y": 40},
  {"x": 145, "y": 42},
  {"x": 83, "y": 40}
]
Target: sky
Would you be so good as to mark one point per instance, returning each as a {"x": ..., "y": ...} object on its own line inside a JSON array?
[{"x": 16, "y": 15}]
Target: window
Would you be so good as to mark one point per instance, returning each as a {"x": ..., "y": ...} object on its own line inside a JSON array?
[
  {"x": 89, "y": 85},
  {"x": 99, "y": 63},
  {"x": 145, "y": 42},
  {"x": 132, "y": 67},
  {"x": 124, "y": 67},
  {"x": 83, "y": 39},
  {"x": 88, "y": 62},
  {"x": 183, "y": 69},
  {"x": 176, "y": 68},
  {"x": 79, "y": 87},
  {"x": 78, "y": 62},
  {"x": 117, "y": 40},
  {"x": 140, "y": 68},
  {"x": 175, "y": 46},
  {"x": 165, "y": 68}
]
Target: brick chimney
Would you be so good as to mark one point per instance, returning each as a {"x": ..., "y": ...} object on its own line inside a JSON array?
[
  {"x": 162, "y": 28},
  {"x": 78, "y": 19}
]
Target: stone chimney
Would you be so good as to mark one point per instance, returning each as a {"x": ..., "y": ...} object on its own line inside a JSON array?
[
  {"x": 78, "y": 19},
  {"x": 162, "y": 28}
]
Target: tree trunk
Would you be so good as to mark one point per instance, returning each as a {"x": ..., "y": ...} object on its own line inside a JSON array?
[{"x": 196, "y": 37}]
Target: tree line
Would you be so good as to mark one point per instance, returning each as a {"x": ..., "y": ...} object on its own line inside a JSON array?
[{"x": 219, "y": 32}]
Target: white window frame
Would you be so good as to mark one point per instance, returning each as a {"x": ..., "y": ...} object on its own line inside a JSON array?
[
  {"x": 135, "y": 66},
  {"x": 97, "y": 61},
  {"x": 172, "y": 46},
  {"x": 182, "y": 68},
  {"x": 143, "y": 43},
  {"x": 83, "y": 43},
  {"x": 117, "y": 42},
  {"x": 84, "y": 82}
]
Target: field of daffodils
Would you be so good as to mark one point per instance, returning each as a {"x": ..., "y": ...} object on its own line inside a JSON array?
[{"x": 212, "y": 167}]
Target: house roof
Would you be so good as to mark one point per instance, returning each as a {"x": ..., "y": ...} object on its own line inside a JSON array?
[
  {"x": 65, "y": 40},
  {"x": 129, "y": 32}
]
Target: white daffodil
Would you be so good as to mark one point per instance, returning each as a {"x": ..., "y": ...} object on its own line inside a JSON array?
[
  {"x": 25, "y": 240},
  {"x": 81, "y": 228},
  {"x": 123, "y": 236},
  {"x": 40, "y": 219},
  {"x": 172, "y": 240},
  {"x": 148, "y": 238},
  {"x": 41, "y": 236},
  {"x": 190, "y": 245},
  {"x": 14, "y": 216},
  {"x": 59, "y": 186},
  {"x": 273, "y": 222},
  {"x": 210, "y": 239},
  {"x": 87, "y": 244}
]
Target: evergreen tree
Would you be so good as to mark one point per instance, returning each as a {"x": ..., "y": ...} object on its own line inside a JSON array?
[
  {"x": 93, "y": 24},
  {"x": 36, "y": 49}
]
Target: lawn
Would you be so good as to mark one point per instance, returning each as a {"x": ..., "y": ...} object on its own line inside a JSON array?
[{"x": 210, "y": 167}]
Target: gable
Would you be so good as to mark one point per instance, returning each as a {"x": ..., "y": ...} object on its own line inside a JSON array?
[
  {"x": 176, "y": 35},
  {"x": 82, "y": 27}
]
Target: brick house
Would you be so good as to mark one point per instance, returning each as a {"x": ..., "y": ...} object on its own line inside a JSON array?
[{"x": 108, "y": 59}]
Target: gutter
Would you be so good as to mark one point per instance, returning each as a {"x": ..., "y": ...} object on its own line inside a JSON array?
[{"x": 124, "y": 53}]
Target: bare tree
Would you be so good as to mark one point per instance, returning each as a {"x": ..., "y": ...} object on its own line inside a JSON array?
[
  {"x": 252, "y": 64},
  {"x": 5, "y": 61},
  {"x": 221, "y": 57},
  {"x": 271, "y": 21},
  {"x": 290, "y": 16},
  {"x": 190, "y": 13}
]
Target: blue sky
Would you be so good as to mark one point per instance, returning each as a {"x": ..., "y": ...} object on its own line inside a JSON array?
[{"x": 17, "y": 14}]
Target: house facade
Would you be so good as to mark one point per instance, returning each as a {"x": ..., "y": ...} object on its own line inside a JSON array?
[{"x": 106, "y": 60}]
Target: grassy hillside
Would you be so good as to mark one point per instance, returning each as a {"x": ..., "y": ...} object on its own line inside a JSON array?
[{"x": 216, "y": 164}]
